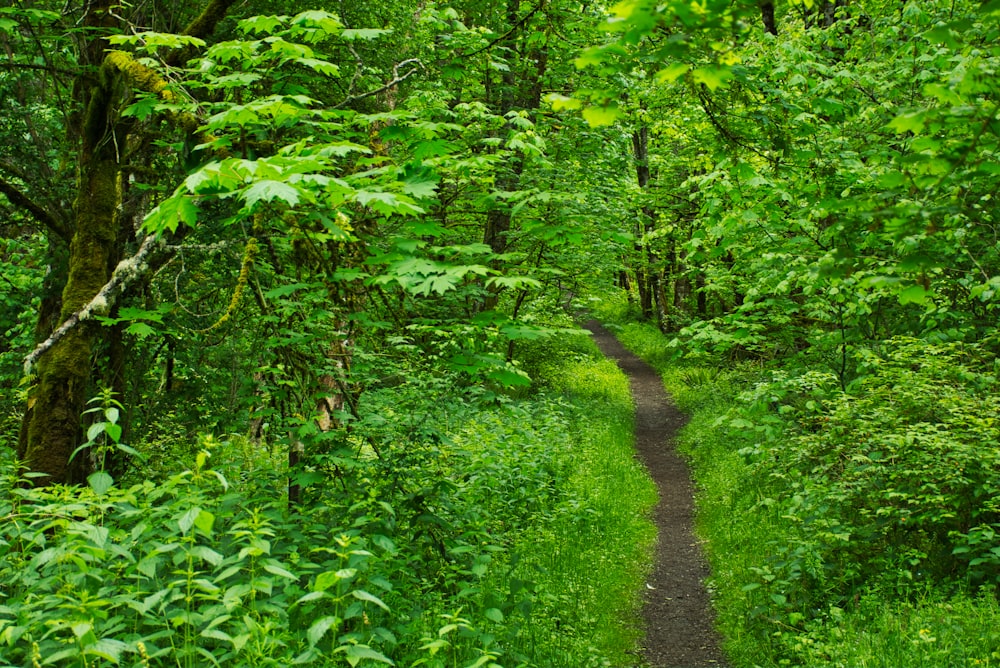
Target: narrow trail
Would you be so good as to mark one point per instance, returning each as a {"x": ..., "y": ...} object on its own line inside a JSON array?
[{"x": 677, "y": 613}]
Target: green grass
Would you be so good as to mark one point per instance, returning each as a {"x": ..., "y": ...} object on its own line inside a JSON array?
[
  {"x": 588, "y": 563},
  {"x": 931, "y": 632}
]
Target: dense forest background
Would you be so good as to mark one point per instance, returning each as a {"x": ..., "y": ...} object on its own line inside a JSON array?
[{"x": 269, "y": 270}]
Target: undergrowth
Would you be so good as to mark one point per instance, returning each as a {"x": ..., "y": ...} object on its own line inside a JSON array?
[
  {"x": 456, "y": 530},
  {"x": 855, "y": 527}
]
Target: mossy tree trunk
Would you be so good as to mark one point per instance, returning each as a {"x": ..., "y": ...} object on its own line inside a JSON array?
[
  {"x": 51, "y": 428},
  {"x": 52, "y": 423}
]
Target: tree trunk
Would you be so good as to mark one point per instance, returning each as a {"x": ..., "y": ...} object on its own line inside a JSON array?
[
  {"x": 767, "y": 17},
  {"x": 53, "y": 431},
  {"x": 521, "y": 88},
  {"x": 648, "y": 279},
  {"x": 702, "y": 297}
]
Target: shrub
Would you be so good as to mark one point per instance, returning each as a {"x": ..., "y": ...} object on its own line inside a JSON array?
[{"x": 892, "y": 484}]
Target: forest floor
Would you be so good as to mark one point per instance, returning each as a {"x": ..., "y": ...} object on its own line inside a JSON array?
[{"x": 677, "y": 613}]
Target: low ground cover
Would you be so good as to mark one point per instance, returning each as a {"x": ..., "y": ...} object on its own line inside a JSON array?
[{"x": 481, "y": 531}]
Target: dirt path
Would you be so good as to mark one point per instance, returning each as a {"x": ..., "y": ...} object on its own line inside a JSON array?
[{"x": 677, "y": 612}]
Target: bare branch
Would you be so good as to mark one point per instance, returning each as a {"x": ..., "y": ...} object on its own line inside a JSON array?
[{"x": 396, "y": 80}]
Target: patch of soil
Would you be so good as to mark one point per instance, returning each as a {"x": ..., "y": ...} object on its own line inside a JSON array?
[{"x": 677, "y": 613}]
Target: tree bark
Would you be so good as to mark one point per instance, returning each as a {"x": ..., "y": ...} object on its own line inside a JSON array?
[
  {"x": 767, "y": 17},
  {"x": 651, "y": 294},
  {"x": 51, "y": 429}
]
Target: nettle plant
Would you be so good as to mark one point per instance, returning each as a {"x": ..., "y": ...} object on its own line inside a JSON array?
[{"x": 180, "y": 571}]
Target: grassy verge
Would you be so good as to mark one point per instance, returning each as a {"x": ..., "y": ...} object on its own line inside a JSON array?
[
  {"x": 806, "y": 569},
  {"x": 570, "y": 582}
]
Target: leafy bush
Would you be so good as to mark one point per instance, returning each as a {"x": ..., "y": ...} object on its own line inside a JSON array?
[{"x": 895, "y": 482}]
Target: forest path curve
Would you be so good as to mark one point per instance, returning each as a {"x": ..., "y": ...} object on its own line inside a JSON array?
[{"x": 677, "y": 613}]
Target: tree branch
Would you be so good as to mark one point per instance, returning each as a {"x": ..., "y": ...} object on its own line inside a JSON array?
[
  {"x": 726, "y": 133},
  {"x": 201, "y": 27},
  {"x": 396, "y": 79},
  {"x": 39, "y": 213},
  {"x": 204, "y": 25},
  {"x": 149, "y": 80},
  {"x": 52, "y": 69},
  {"x": 125, "y": 273},
  {"x": 520, "y": 22}
]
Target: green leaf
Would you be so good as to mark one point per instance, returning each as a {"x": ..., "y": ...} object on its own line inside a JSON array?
[
  {"x": 509, "y": 377},
  {"x": 217, "y": 634},
  {"x": 323, "y": 67},
  {"x": 261, "y": 24},
  {"x": 100, "y": 482},
  {"x": 170, "y": 213},
  {"x": 912, "y": 122},
  {"x": 204, "y": 521},
  {"x": 81, "y": 629},
  {"x": 560, "y": 102},
  {"x": 317, "y": 18},
  {"x": 269, "y": 190},
  {"x": 362, "y": 595},
  {"x": 142, "y": 108},
  {"x": 330, "y": 578},
  {"x": 107, "y": 648},
  {"x": 593, "y": 56},
  {"x": 285, "y": 290},
  {"x": 114, "y": 431},
  {"x": 915, "y": 294},
  {"x": 494, "y": 615},
  {"x": 207, "y": 553},
  {"x": 320, "y": 627},
  {"x": 94, "y": 431},
  {"x": 351, "y": 34},
  {"x": 420, "y": 182},
  {"x": 514, "y": 282},
  {"x": 355, "y": 653},
  {"x": 275, "y": 568},
  {"x": 712, "y": 77},
  {"x": 130, "y": 450},
  {"x": 186, "y": 520},
  {"x": 151, "y": 41},
  {"x": 672, "y": 73},
  {"x": 600, "y": 116},
  {"x": 387, "y": 203},
  {"x": 140, "y": 329}
]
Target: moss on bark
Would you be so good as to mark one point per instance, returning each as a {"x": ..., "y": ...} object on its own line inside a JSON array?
[{"x": 53, "y": 429}]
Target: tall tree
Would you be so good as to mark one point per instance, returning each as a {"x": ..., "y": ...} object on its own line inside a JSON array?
[{"x": 103, "y": 137}]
